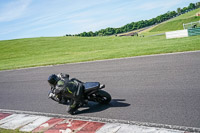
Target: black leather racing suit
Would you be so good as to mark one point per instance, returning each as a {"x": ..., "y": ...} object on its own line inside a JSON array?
[{"x": 72, "y": 89}]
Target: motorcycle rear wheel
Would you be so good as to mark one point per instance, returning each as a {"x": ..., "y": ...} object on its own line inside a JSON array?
[{"x": 103, "y": 97}]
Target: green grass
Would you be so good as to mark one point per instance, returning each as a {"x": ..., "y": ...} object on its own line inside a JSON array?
[
  {"x": 33, "y": 52},
  {"x": 173, "y": 24},
  {"x": 187, "y": 15},
  {"x": 10, "y": 131}
]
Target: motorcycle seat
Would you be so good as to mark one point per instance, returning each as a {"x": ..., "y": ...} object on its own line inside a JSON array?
[{"x": 91, "y": 85}]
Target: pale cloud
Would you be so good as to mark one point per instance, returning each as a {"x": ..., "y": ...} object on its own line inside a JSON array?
[
  {"x": 158, "y": 4},
  {"x": 28, "y": 18},
  {"x": 61, "y": 16},
  {"x": 92, "y": 25},
  {"x": 13, "y": 10}
]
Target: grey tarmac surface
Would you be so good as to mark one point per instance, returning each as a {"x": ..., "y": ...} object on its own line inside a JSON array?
[{"x": 163, "y": 89}]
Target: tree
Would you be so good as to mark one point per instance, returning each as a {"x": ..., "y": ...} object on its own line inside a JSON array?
[
  {"x": 142, "y": 23},
  {"x": 197, "y": 4},
  {"x": 129, "y": 27},
  {"x": 191, "y": 6},
  {"x": 179, "y": 11},
  {"x": 184, "y": 10},
  {"x": 100, "y": 34},
  {"x": 84, "y": 34},
  {"x": 152, "y": 21},
  {"x": 172, "y": 14},
  {"x": 90, "y": 34},
  {"x": 118, "y": 30}
]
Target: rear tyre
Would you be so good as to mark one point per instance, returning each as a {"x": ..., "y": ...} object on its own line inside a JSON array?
[{"x": 103, "y": 97}]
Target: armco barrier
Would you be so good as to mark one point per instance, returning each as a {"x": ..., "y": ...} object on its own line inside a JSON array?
[{"x": 194, "y": 31}]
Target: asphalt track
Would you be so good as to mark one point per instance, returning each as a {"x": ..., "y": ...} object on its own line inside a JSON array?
[{"x": 163, "y": 89}]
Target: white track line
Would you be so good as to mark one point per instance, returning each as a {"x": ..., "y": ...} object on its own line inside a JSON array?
[
  {"x": 18, "y": 121},
  {"x": 31, "y": 126}
]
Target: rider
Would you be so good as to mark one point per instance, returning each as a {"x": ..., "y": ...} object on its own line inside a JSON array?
[{"x": 63, "y": 87}]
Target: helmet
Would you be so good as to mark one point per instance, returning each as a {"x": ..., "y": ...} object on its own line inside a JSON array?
[{"x": 53, "y": 79}]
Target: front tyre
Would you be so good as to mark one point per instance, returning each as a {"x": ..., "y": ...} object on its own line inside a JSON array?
[{"x": 103, "y": 97}]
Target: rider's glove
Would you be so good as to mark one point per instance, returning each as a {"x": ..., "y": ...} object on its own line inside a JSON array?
[{"x": 51, "y": 95}]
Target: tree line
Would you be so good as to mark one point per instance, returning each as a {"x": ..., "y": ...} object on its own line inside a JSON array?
[{"x": 140, "y": 24}]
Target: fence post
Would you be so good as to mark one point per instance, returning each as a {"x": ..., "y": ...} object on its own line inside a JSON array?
[{"x": 184, "y": 26}]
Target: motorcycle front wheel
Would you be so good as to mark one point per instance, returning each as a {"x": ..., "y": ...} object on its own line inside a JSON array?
[{"x": 103, "y": 97}]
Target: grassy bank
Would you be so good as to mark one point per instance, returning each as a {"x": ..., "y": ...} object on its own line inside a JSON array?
[
  {"x": 32, "y": 52},
  {"x": 173, "y": 24},
  {"x": 59, "y": 50}
]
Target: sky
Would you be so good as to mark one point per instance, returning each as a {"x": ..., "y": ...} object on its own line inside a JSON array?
[{"x": 46, "y": 18}]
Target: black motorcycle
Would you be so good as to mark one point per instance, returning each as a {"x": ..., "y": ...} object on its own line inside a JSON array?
[{"x": 93, "y": 92}]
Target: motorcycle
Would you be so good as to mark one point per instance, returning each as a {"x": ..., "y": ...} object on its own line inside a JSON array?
[{"x": 93, "y": 92}]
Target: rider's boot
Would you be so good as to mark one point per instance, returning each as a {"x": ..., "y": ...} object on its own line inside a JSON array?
[{"x": 102, "y": 86}]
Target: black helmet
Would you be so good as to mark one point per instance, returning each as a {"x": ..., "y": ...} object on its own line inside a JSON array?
[{"x": 53, "y": 79}]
